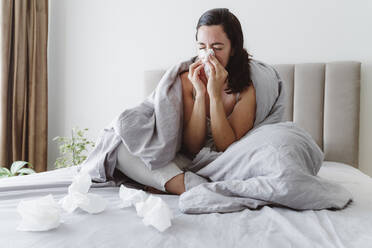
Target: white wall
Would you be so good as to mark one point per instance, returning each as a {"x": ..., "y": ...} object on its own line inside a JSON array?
[{"x": 98, "y": 50}]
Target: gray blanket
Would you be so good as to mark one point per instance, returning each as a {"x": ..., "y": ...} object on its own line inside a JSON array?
[
  {"x": 275, "y": 164},
  {"x": 152, "y": 130},
  {"x": 243, "y": 175}
]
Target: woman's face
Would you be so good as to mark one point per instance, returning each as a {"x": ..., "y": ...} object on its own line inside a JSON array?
[{"x": 213, "y": 37}]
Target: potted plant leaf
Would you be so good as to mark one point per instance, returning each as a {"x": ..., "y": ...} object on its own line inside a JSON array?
[{"x": 17, "y": 169}]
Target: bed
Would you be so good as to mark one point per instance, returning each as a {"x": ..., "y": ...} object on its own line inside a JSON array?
[{"x": 323, "y": 98}]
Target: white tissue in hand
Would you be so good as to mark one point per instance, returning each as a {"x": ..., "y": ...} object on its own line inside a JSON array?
[
  {"x": 155, "y": 212},
  {"x": 203, "y": 55},
  {"x": 78, "y": 196},
  {"x": 40, "y": 214}
]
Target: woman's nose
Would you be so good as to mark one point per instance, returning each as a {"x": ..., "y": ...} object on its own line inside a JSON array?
[{"x": 209, "y": 47}]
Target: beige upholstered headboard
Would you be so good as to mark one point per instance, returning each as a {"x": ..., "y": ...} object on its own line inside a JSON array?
[{"x": 323, "y": 98}]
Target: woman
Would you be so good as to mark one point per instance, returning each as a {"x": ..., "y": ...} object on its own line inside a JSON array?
[{"x": 218, "y": 110}]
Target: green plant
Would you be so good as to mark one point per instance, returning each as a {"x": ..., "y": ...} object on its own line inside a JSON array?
[
  {"x": 16, "y": 169},
  {"x": 72, "y": 148}
]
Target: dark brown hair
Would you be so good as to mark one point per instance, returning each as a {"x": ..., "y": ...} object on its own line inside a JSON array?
[{"x": 239, "y": 76}]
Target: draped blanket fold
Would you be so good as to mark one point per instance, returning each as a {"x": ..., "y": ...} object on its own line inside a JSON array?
[{"x": 275, "y": 163}]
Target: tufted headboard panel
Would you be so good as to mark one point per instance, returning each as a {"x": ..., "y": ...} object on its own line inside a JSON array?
[{"x": 323, "y": 98}]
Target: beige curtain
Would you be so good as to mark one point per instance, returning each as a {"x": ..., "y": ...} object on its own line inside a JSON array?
[{"x": 24, "y": 88}]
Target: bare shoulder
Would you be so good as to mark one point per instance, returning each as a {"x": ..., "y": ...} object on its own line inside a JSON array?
[
  {"x": 188, "y": 102},
  {"x": 244, "y": 113},
  {"x": 184, "y": 77},
  {"x": 186, "y": 84},
  {"x": 249, "y": 92}
]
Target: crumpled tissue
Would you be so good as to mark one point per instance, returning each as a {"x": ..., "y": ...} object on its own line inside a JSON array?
[
  {"x": 40, "y": 214},
  {"x": 154, "y": 210},
  {"x": 131, "y": 196},
  {"x": 203, "y": 55},
  {"x": 78, "y": 196}
]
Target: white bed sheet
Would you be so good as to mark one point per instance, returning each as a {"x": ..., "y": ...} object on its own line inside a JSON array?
[{"x": 116, "y": 227}]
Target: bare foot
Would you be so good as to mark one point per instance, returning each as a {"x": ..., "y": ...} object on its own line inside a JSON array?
[
  {"x": 176, "y": 184},
  {"x": 153, "y": 190}
]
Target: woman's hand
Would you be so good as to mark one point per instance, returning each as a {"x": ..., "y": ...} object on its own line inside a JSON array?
[
  {"x": 217, "y": 77},
  {"x": 195, "y": 77}
]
